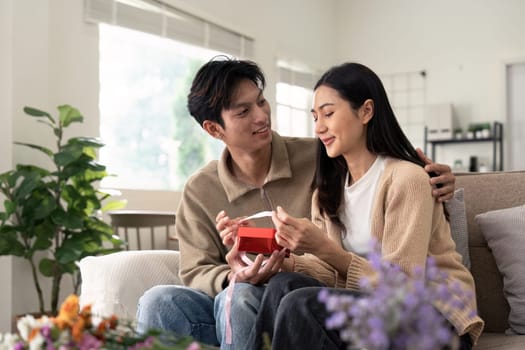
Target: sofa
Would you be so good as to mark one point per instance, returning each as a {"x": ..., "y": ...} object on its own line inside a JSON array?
[
  {"x": 114, "y": 283},
  {"x": 491, "y": 192}
]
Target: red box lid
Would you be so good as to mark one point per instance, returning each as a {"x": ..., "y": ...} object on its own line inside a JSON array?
[{"x": 257, "y": 240}]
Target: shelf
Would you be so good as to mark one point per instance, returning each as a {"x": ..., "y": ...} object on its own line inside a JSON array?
[
  {"x": 442, "y": 142},
  {"x": 496, "y": 139}
]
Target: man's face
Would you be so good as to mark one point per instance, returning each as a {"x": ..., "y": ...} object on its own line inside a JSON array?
[{"x": 247, "y": 124}]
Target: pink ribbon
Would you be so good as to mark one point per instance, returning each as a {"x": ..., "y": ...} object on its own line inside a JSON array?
[
  {"x": 229, "y": 295},
  {"x": 231, "y": 286}
]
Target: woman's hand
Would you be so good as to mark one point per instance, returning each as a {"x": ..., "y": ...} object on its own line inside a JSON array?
[
  {"x": 301, "y": 235},
  {"x": 259, "y": 271},
  {"x": 298, "y": 235},
  {"x": 445, "y": 178}
]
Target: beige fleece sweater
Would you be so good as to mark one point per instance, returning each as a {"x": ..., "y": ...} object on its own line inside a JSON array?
[{"x": 214, "y": 188}]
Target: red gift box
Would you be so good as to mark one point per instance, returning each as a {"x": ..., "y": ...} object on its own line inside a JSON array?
[{"x": 257, "y": 240}]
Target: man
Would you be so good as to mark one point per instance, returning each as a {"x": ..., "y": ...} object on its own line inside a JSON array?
[{"x": 258, "y": 170}]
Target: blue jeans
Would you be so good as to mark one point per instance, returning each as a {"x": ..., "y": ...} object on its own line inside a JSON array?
[
  {"x": 181, "y": 310},
  {"x": 245, "y": 304},
  {"x": 189, "y": 312}
]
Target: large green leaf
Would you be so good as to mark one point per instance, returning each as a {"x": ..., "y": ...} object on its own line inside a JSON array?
[
  {"x": 70, "y": 193},
  {"x": 86, "y": 142},
  {"x": 43, "y": 241},
  {"x": 68, "y": 155},
  {"x": 9, "y": 243},
  {"x": 39, "y": 205},
  {"x": 4, "y": 181},
  {"x": 90, "y": 248},
  {"x": 12, "y": 248},
  {"x": 71, "y": 249},
  {"x": 30, "y": 169},
  {"x": 73, "y": 169},
  {"x": 30, "y": 182},
  {"x": 48, "y": 267},
  {"x": 10, "y": 208},
  {"x": 90, "y": 152},
  {"x": 69, "y": 115},
  {"x": 38, "y": 113},
  {"x": 11, "y": 178},
  {"x": 71, "y": 220},
  {"x": 115, "y": 205},
  {"x": 79, "y": 167},
  {"x": 91, "y": 175},
  {"x": 43, "y": 149},
  {"x": 69, "y": 267},
  {"x": 99, "y": 226},
  {"x": 96, "y": 166}
]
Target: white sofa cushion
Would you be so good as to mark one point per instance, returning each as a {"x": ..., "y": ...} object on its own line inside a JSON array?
[{"x": 113, "y": 283}]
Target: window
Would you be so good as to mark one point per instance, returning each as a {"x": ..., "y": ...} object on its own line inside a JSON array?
[
  {"x": 294, "y": 102},
  {"x": 149, "y": 54},
  {"x": 152, "y": 142}
]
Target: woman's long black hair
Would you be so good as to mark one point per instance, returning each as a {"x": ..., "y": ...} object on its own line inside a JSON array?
[{"x": 357, "y": 83}]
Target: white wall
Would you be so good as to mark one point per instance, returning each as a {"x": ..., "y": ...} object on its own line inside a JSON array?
[
  {"x": 462, "y": 45},
  {"x": 5, "y": 147}
]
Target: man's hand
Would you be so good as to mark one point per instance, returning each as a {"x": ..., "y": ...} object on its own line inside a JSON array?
[
  {"x": 444, "y": 177},
  {"x": 228, "y": 227},
  {"x": 259, "y": 271}
]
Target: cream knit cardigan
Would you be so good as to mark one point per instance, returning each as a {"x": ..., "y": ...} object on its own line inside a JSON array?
[{"x": 409, "y": 225}]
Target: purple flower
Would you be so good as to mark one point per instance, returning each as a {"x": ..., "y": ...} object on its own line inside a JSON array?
[
  {"x": 89, "y": 342},
  {"x": 146, "y": 344},
  {"x": 396, "y": 312}
]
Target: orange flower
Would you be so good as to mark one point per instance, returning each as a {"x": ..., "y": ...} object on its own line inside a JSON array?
[
  {"x": 70, "y": 307},
  {"x": 85, "y": 314},
  {"x": 68, "y": 312},
  {"x": 101, "y": 329},
  {"x": 33, "y": 333},
  {"x": 113, "y": 322},
  {"x": 104, "y": 325},
  {"x": 77, "y": 330}
]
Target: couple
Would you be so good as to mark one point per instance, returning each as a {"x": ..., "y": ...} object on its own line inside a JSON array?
[{"x": 365, "y": 168}]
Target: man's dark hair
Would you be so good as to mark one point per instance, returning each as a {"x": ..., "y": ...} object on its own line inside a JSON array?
[{"x": 215, "y": 83}]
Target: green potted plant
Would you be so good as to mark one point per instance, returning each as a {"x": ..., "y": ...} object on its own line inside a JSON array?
[{"x": 56, "y": 212}]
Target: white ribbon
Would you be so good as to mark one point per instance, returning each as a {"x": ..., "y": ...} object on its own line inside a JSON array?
[{"x": 258, "y": 215}]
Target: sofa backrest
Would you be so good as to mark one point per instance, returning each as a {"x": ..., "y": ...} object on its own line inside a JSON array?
[{"x": 484, "y": 192}]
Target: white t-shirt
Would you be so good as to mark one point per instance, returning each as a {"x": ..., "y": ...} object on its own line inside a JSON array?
[{"x": 358, "y": 201}]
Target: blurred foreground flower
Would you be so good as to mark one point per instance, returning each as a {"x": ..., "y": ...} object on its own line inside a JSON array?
[
  {"x": 396, "y": 311},
  {"x": 72, "y": 329}
]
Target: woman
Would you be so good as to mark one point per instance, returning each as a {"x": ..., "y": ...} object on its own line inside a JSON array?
[{"x": 370, "y": 186}]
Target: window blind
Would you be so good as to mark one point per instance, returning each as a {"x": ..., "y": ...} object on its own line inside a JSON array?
[
  {"x": 159, "y": 18},
  {"x": 295, "y": 77}
]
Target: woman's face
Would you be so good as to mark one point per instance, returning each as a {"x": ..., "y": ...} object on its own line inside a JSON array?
[{"x": 341, "y": 128}]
